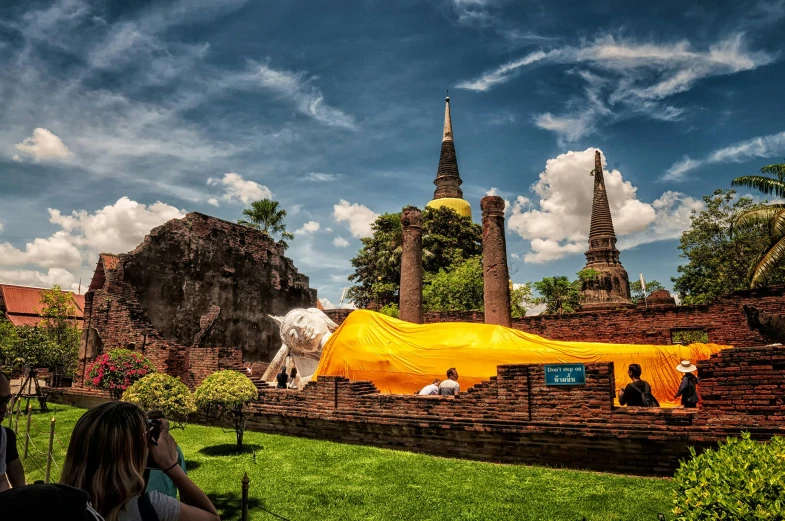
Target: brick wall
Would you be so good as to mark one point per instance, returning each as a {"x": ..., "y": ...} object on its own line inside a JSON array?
[
  {"x": 722, "y": 320},
  {"x": 515, "y": 418}
]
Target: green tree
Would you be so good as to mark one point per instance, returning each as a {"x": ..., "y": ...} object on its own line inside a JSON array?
[
  {"x": 718, "y": 261},
  {"x": 448, "y": 238},
  {"x": 456, "y": 288},
  {"x": 637, "y": 293},
  {"x": 559, "y": 294},
  {"x": 8, "y": 340},
  {"x": 226, "y": 394},
  {"x": 521, "y": 299},
  {"x": 266, "y": 216},
  {"x": 59, "y": 323},
  {"x": 771, "y": 217}
]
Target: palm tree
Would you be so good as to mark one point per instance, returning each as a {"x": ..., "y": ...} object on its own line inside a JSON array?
[
  {"x": 266, "y": 216},
  {"x": 772, "y": 216}
]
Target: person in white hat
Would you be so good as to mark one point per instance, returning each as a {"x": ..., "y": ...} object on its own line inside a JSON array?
[{"x": 688, "y": 390}]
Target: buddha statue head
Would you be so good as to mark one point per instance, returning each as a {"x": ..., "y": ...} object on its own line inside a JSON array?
[{"x": 305, "y": 331}]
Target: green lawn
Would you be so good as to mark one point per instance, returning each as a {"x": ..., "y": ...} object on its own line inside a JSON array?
[{"x": 302, "y": 479}]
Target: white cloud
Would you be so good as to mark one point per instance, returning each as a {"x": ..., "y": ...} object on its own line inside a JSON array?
[
  {"x": 63, "y": 278},
  {"x": 340, "y": 242},
  {"x": 116, "y": 228},
  {"x": 43, "y": 145},
  {"x": 308, "y": 228},
  {"x": 326, "y": 304},
  {"x": 757, "y": 147},
  {"x": 321, "y": 177},
  {"x": 73, "y": 250},
  {"x": 238, "y": 189},
  {"x": 300, "y": 90},
  {"x": 626, "y": 78},
  {"x": 359, "y": 217},
  {"x": 213, "y": 201},
  {"x": 559, "y": 224}
]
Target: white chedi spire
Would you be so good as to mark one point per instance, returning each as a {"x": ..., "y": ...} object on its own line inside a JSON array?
[{"x": 447, "y": 122}]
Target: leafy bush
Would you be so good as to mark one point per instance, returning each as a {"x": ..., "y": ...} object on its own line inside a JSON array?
[
  {"x": 164, "y": 393},
  {"x": 117, "y": 370},
  {"x": 391, "y": 310},
  {"x": 740, "y": 480},
  {"x": 224, "y": 394}
]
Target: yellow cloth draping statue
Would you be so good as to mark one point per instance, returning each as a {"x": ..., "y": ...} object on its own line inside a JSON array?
[{"x": 401, "y": 358}]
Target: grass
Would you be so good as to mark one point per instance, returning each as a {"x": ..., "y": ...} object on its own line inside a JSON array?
[{"x": 302, "y": 479}]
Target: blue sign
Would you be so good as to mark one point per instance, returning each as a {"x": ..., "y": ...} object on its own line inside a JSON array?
[{"x": 565, "y": 374}]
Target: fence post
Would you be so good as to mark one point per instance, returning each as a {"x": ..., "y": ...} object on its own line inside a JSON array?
[
  {"x": 49, "y": 455},
  {"x": 16, "y": 416},
  {"x": 11, "y": 416},
  {"x": 27, "y": 434},
  {"x": 244, "y": 505}
]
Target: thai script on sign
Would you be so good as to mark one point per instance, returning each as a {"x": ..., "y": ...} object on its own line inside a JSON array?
[{"x": 565, "y": 374}]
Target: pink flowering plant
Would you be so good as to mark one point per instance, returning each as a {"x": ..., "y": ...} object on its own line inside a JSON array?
[{"x": 117, "y": 370}]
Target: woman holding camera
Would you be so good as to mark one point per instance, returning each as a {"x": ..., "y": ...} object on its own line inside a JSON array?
[{"x": 107, "y": 455}]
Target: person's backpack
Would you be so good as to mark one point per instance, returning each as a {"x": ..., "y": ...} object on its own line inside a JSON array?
[
  {"x": 40, "y": 502},
  {"x": 647, "y": 398}
]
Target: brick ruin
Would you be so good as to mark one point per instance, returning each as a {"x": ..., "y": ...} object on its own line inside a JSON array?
[
  {"x": 514, "y": 417},
  {"x": 723, "y": 321},
  {"x": 194, "y": 297}
]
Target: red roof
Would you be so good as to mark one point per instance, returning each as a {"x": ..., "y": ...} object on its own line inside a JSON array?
[{"x": 20, "y": 304}]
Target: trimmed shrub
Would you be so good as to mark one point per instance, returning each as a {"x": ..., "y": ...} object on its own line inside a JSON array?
[
  {"x": 164, "y": 393},
  {"x": 742, "y": 480},
  {"x": 224, "y": 394},
  {"x": 117, "y": 370}
]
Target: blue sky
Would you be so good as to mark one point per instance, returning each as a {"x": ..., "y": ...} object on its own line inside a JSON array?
[{"x": 117, "y": 118}]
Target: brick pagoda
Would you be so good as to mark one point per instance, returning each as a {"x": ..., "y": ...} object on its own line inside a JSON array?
[
  {"x": 448, "y": 181},
  {"x": 610, "y": 289}
]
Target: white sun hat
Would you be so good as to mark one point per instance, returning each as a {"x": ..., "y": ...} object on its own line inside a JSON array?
[{"x": 686, "y": 367}]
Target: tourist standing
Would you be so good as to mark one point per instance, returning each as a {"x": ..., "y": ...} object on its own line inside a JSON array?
[
  {"x": 12, "y": 473},
  {"x": 282, "y": 378},
  {"x": 638, "y": 392},
  {"x": 450, "y": 386},
  {"x": 293, "y": 378},
  {"x": 688, "y": 390},
  {"x": 430, "y": 389}
]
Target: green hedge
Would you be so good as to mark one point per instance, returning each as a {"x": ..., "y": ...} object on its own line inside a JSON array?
[{"x": 741, "y": 480}]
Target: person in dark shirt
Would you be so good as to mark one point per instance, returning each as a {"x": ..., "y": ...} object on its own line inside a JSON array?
[
  {"x": 632, "y": 395},
  {"x": 282, "y": 378},
  {"x": 12, "y": 473},
  {"x": 688, "y": 390}
]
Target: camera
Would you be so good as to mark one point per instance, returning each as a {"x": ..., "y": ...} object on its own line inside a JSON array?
[{"x": 153, "y": 430}]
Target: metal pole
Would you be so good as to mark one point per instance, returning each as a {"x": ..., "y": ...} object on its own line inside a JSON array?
[
  {"x": 11, "y": 416},
  {"x": 27, "y": 434},
  {"x": 49, "y": 454},
  {"x": 244, "y": 505},
  {"x": 16, "y": 416}
]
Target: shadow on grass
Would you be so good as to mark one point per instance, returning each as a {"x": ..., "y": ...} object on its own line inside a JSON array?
[
  {"x": 229, "y": 449},
  {"x": 192, "y": 465},
  {"x": 230, "y": 504}
]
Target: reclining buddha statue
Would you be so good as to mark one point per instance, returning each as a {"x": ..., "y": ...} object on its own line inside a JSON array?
[{"x": 400, "y": 357}]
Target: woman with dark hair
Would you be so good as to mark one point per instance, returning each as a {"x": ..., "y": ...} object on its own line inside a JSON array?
[
  {"x": 637, "y": 393},
  {"x": 107, "y": 455}
]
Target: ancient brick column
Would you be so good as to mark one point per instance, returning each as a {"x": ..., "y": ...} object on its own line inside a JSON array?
[
  {"x": 410, "y": 294},
  {"x": 496, "y": 278}
]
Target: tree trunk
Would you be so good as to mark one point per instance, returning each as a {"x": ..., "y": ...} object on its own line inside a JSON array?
[{"x": 239, "y": 427}]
